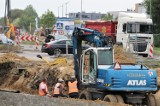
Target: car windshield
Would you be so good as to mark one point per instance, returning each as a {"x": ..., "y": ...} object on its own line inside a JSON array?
[
  {"x": 140, "y": 28},
  {"x": 58, "y": 37}
]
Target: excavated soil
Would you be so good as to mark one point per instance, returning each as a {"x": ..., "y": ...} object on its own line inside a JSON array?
[
  {"x": 21, "y": 74},
  {"x": 123, "y": 57}
]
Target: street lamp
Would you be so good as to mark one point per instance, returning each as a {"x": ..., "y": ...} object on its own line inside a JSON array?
[
  {"x": 66, "y": 8},
  {"x": 62, "y": 10},
  {"x": 81, "y": 15},
  {"x": 58, "y": 11},
  {"x": 150, "y": 8}
]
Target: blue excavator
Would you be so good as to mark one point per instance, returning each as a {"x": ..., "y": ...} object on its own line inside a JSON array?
[{"x": 100, "y": 77}]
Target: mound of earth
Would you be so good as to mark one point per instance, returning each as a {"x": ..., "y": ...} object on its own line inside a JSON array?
[
  {"x": 123, "y": 57},
  {"x": 19, "y": 73}
]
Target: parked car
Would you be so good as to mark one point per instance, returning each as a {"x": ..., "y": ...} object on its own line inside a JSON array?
[
  {"x": 58, "y": 47},
  {"x": 5, "y": 40},
  {"x": 52, "y": 37}
]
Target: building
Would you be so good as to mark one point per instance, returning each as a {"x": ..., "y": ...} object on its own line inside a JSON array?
[
  {"x": 140, "y": 8},
  {"x": 115, "y": 13},
  {"x": 86, "y": 16}
]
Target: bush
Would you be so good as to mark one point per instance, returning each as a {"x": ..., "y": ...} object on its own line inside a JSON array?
[{"x": 157, "y": 40}]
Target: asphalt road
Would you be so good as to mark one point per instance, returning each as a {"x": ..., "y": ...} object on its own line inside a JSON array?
[{"x": 30, "y": 52}]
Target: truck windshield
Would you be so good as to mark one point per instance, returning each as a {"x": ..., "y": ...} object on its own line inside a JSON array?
[
  {"x": 139, "y": 28},
  {"x": 105, "y": 57}
]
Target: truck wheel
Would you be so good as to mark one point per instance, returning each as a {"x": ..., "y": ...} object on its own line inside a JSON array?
[
  {"x": 119, "y": 99},
  {"x": 151, "y": 101},
  {"x": 110, "y": 98},
  {"x": 85, "y": 95}
]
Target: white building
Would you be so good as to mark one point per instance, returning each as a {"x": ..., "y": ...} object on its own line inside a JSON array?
[{"x": 140, "y": 8}]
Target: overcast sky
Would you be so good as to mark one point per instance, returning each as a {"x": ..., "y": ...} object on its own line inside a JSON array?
[{"x": 41, "y": 6}]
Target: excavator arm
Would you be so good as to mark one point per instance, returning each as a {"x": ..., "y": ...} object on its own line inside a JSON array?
[
  {"x": 10, "y": 31},
  {"x": 93, "y": 37}
]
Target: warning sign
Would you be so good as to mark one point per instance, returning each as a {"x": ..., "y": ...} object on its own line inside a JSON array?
[{"x": 117, "y": 66}]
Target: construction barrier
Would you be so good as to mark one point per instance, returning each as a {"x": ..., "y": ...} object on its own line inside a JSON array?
[
  {"x": 27, "y": 37},
  {"x": 150, "y": 54},
  {"x": 37, "y": 42}
]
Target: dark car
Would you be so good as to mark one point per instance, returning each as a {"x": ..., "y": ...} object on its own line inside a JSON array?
[
  {"x": 52, "y": 37},
  {"x": 58, "y": 47}
]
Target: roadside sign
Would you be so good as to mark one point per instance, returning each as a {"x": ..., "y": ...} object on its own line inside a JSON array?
[
  {"x": 67, "y": 27},
  {"x": 59, "y": 25},
  {"x": 61, "y": 32},
  {"x": 117, "y": 66}
]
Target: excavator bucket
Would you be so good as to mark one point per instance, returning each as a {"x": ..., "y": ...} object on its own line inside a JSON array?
[{"x": 57, "y": 61}]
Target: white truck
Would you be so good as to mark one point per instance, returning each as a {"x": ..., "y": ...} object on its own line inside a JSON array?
[{"x": 134, "y": 31}]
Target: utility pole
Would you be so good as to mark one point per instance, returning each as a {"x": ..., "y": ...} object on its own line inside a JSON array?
[
  {"x": 66, "y": 8},
  {"x": 81, "y": 15},
  {"x": 62, "y": 10},
  {"x": 58, "y": 11},
  {"x": 150, "y": 8}
]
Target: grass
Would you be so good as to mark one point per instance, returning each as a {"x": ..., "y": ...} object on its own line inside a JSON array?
[
  {"x": 4, "y": 47},
  {"x": 152, "y": 63},
  {"x": 156, "y": 51}
]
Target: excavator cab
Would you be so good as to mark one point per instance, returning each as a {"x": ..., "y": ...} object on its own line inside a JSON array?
[{"x": 90, "y": 60}]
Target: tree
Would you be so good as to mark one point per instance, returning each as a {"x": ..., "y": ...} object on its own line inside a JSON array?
[
  {"x": 107, "y": 17},
  {"x": 28, "y": 18},
  {"x": 16, "y": 13},
  {"x": 155, "y": 7},
  {"x": 2, "y": 21},
  {"x": 48, "y": 19}
]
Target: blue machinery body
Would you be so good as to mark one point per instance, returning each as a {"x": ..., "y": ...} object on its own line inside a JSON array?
[{"x": 128, "y": 82}]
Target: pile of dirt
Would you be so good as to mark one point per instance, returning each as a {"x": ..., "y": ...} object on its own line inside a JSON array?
[
  {"x": 123, "y": 57},
  {"x": 12, "y": 57},
  {"x": 19, "y": 73}
]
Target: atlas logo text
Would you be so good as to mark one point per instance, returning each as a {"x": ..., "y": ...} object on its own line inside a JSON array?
[{"x": 136, "y": 82}]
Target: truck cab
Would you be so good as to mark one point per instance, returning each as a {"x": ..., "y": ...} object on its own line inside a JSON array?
[{"x": 134, "y": 31}]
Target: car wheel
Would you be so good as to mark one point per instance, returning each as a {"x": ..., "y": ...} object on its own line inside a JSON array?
[
  {"x": 57, "y": 52},
  {"x": 50, "y": 53}
]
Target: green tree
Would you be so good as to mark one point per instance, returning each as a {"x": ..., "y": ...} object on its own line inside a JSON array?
[
  {"x": 1, "y": 21},
  {"x": 16, "y": 13},
  {"x": 155, "y": 7},
  {"x": 107, "y": 17},
  {"x": 28, "y": 18},
  {"x": 48, "y": 19}
]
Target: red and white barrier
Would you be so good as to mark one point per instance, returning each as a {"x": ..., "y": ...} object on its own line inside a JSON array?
[
  {"x": 150, "y": 54},
  {"x": 37, "y": 42},
  {"x": 27, "y": 37},
  {"x": 18, "y": 41}
]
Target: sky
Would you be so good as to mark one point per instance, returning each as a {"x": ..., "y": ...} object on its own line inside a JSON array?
[{"x": 41, "y": 6}]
